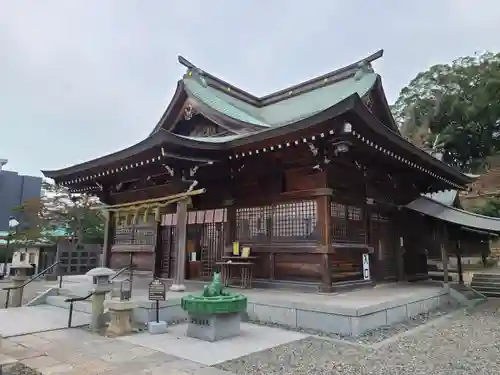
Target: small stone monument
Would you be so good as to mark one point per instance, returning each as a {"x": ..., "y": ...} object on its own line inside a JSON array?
[
  {"x": 101, "y": 286},
  {"x": 19, "y": 278},
  {"x": 216, "y": 314}
]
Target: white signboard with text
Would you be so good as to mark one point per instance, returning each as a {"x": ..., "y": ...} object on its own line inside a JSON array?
[{"x": 366, "y": 266}]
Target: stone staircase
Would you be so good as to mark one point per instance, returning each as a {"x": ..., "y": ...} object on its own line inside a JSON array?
[{"x": 488, "y": 284}]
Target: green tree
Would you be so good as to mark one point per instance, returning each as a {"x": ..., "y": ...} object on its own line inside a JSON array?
[
  {"x": 58, "y": 212},
  {"x": 490, "y": 208},
  {"x": 456, "y": 107}
]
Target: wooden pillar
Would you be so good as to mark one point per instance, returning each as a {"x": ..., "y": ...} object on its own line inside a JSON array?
[
  {"x": 324, "y": 222},
  {"x": 459, "y": 263},
  {"x": 231, "y": 225},
  {"x": 158, "y": 250},
  {"x": 444, "y": 255},
  {"x": 180, "y": 266},
  {"x": 400, "y": 245},
  {"x": 109, "y": 230}
]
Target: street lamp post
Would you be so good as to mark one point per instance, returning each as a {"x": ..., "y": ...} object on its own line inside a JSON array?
[{"x": 13, "y": 224}]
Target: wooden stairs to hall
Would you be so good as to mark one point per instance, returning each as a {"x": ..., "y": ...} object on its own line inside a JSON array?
[{"x": 488, "y": 284}]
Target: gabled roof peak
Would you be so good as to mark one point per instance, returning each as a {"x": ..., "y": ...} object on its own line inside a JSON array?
[{"x": 357, "y": 69}]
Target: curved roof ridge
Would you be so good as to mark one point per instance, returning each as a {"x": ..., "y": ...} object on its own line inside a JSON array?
[{"x": 221, "y": 84}]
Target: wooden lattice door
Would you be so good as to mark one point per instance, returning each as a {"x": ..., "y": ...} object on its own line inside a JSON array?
[
  {"x": 212, "y": 247},
  {"x": 383, "y": 241},
  {"x": 168, "y": 246}
]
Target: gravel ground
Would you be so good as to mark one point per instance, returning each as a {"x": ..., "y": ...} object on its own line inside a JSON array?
[
  {"x": 468, "y": 342},
  {"x": 17, "y": 369}
]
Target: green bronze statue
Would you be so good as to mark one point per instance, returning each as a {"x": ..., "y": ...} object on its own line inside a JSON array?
[{"x": 215, "y": 288}]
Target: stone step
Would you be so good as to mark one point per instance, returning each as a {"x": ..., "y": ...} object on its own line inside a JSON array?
[
  {"x": 477, "y": 285},
  {"x": 490, "y": 293},
  {"x": 486, "y": 276}
]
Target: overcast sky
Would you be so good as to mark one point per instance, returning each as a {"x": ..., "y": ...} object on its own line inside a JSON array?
[{"x": 82, "y": 78}]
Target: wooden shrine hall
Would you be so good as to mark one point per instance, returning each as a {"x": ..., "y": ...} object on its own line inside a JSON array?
[{"x": 312, "y": 179}]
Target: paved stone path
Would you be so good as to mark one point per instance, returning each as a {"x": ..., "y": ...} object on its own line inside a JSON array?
[{"x": 79, "y": 352}]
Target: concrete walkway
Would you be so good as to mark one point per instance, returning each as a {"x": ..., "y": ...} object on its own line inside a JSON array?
[
  {"x": 79, "y": 352},
  {"x": 25, "y": 320}
]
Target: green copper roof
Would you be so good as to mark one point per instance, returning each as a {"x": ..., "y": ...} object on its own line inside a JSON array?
[
  {"x": 284, "y": 111},
  {"x": 215, "y": 100}
]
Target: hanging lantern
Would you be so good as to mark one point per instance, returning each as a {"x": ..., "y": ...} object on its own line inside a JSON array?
[{"x": 157, "y": 214}]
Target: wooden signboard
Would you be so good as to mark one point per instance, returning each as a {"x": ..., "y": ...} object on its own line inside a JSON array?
[{"x": 157, "y": 291}]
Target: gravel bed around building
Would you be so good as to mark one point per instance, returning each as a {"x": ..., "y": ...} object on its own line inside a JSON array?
[
  {"x": 381, "y": 333},
  {"x": 17, "y": 369},
  {"x": 467, "y": 342}
]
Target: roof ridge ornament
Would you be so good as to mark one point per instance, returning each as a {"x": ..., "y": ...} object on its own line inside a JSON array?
[
  {"x": 193, "y": 71},
  {"x": 364, "y": 67}
]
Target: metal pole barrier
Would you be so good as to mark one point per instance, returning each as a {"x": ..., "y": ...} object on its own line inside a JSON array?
[
  {"x": 7, "y": 299},
  {"x": 70, "y": 314}
]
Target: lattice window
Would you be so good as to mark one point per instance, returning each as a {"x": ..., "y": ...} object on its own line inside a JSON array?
[
  {"x": 294, "y": 220},
  {"x": 379, "y": 217},
  {"x": 346, "y": 223},
  {"x": 354, "y": 213},
  {"x": 253, "y": 222},
  {"x": 280, "y": 222},
  {"x": 338, "y": 210},
  {"x": 131, "y": 235}
]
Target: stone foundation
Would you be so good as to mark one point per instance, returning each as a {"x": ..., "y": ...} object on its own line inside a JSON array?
[{"x": 213, "y": 327}]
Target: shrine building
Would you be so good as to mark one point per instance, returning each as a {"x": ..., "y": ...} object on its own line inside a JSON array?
[{"x": 309, "y": 178}]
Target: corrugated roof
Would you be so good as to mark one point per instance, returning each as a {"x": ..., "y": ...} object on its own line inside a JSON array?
[
  {"x": 284, "y": 111},
  {"x": 454, "y": 215}
]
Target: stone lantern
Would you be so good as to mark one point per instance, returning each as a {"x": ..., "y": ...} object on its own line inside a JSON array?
[{"x": 101, "y": 285}]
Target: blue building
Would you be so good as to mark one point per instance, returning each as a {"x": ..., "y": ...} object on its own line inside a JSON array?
[{"x": 14, "y": 190}]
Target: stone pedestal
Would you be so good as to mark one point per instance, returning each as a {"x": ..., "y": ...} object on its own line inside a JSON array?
[
  {"x": 19, "y": 278},
  {"x": 102, "y": 285},
  {"x": 120, "y": 317},
  {"x": 96, "y": 317},
  {"x": 177, "y": 287},
  {"x": 156, "y": 328},
  {"x": 213, "y": 327}
]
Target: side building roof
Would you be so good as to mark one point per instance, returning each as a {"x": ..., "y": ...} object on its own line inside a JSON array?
[{"x": 441, "y": 211}]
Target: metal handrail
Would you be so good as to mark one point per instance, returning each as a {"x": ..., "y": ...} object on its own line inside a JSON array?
[
  {"x": 73, "y": 300},
  {"x": 130, "y": 266},
  {"x": 41, "y": 273},
  {"x": 79, "y": 299}
]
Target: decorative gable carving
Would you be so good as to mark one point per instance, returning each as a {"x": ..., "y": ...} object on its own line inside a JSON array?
[
  {"x": 196, "y": 125},
  {"x": 205, "y": 130}
]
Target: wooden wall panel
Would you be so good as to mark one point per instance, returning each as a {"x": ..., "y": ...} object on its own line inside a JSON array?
[
  {"x": 119, "y": 260},
  {"x": 141, "y": 261},
  {"x": 304, "y": 179},
  {"x": 262, "y": 267},
  {"x": 297, "y": 266}
]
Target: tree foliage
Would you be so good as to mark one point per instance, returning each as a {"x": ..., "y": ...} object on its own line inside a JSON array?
[
  {"x": 456, "y": 108},
  {"x": 58, "y": 212},
  {"x": 490, "y": 208}
]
